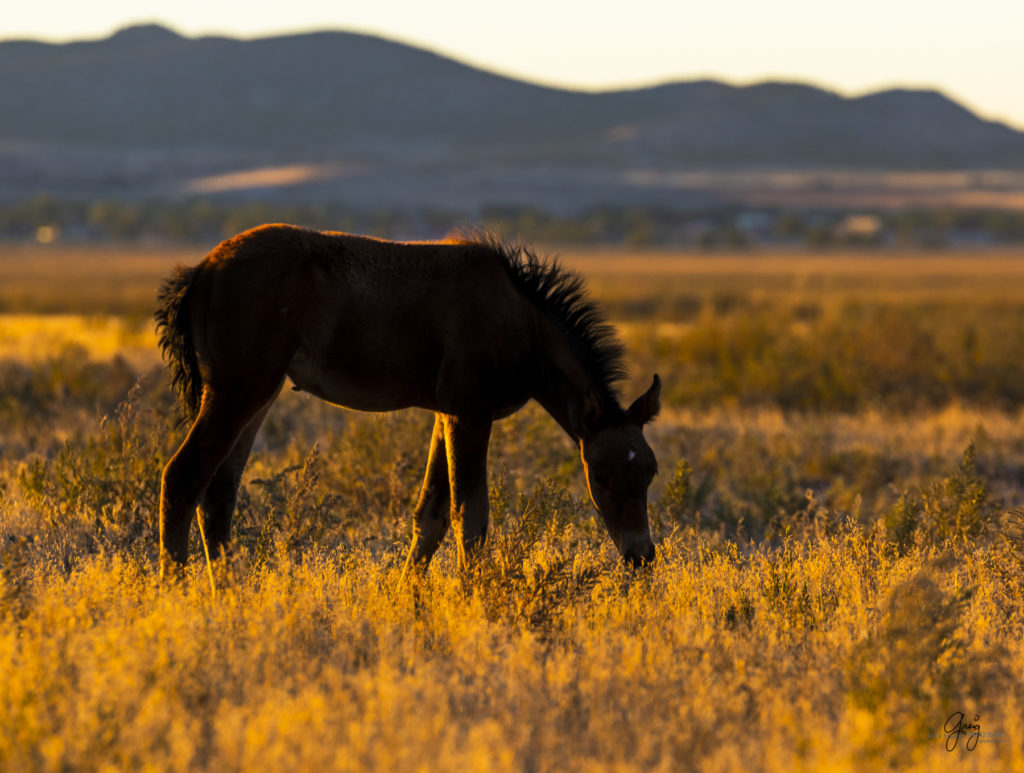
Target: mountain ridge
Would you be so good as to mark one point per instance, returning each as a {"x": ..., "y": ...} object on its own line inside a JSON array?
[
  {"x": 378, "y": 125},
  {"x": 322, "y": 94}
]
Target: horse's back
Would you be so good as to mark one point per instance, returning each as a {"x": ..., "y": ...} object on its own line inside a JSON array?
[{"x": 366, "y": 323}]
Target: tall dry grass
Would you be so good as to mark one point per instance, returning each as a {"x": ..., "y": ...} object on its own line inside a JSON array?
[{"x": 835, "y": 579}]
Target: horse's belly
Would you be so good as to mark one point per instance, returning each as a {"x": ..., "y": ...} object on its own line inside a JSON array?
[{"x": 353, "y": 388}]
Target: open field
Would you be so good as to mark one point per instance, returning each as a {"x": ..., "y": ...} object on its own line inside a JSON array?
[
  {"x": 840, "y": 546},
  {"x": 120, "y": 279}
]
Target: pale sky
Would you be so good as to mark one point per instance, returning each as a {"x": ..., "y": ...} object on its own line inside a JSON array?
[{"x": 971, "y": 51}]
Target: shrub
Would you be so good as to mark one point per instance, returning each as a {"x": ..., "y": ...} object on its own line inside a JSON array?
[
  {"x": 101, "y": 494},
  {"x": 955, "y": 511}
]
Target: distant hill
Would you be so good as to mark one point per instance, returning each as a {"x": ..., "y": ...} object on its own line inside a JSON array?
[
  {"x": 323, "y": 94},
  {"x": 373, "y": 124}
]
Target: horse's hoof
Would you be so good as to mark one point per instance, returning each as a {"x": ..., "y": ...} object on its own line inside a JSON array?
[{"x": 171, "y": 572}]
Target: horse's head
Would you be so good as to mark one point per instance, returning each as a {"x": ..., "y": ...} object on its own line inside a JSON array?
[{"x": 620, "y": 466}]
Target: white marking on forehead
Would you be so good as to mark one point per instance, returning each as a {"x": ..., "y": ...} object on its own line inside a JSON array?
[{"x": 632, "y": 455}]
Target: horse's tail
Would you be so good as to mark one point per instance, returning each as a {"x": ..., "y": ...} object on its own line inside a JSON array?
[{"x": 174, "y": 332}]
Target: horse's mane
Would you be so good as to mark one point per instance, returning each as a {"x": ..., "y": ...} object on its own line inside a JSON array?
[{"x": 562, "y": 295}]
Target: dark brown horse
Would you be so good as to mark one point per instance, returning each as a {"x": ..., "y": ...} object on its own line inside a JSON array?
[{"x": 469, "y": 328}]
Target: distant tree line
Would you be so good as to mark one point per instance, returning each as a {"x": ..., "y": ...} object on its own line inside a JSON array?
[{"x": 49, "y": 219}]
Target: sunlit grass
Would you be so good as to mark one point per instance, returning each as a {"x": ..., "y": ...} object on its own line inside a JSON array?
[
  {"x": 34, "y": 337},
  {"x": 833, "y": 580},
  {"x": 829, "y": 653},
  {"x": 825, "y": 645}
]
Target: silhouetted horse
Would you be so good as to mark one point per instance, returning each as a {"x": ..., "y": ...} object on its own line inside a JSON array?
[{"x": 469, "y": 328}]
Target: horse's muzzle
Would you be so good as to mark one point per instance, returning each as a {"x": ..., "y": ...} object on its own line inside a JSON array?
[{"x": 638, "y": 552}]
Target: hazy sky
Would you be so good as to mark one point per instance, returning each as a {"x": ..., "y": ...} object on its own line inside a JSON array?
[{"x": 972, "y": 51}]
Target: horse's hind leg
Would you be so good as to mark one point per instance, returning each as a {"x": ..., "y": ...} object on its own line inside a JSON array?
[
  {"x": 432, "y": 515},
  {"x": 218, "y": 502},
  {"x": 219, "y": 426}
]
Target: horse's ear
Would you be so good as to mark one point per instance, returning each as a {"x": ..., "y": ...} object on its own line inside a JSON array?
[{"x": 647, "y": 405}]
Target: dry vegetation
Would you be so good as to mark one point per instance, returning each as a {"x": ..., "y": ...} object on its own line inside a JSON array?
[{"x": 840, "y": 558}]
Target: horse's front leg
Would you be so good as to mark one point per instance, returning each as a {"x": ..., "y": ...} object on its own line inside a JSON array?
[
  {"x": 466, "y": 440},
  {"x": 432, "y": 514}
]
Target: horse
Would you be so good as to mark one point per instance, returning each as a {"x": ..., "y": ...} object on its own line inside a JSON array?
[{"x": 471, "y": 328}]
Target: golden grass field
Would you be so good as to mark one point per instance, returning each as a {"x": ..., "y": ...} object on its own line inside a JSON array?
[{"x": 840, "y": 565}]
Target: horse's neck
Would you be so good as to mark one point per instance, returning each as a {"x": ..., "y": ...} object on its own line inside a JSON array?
[{"x": 563, "y": 381}]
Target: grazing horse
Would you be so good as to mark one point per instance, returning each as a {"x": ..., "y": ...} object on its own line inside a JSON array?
[{"x": 469, "y": 328}]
